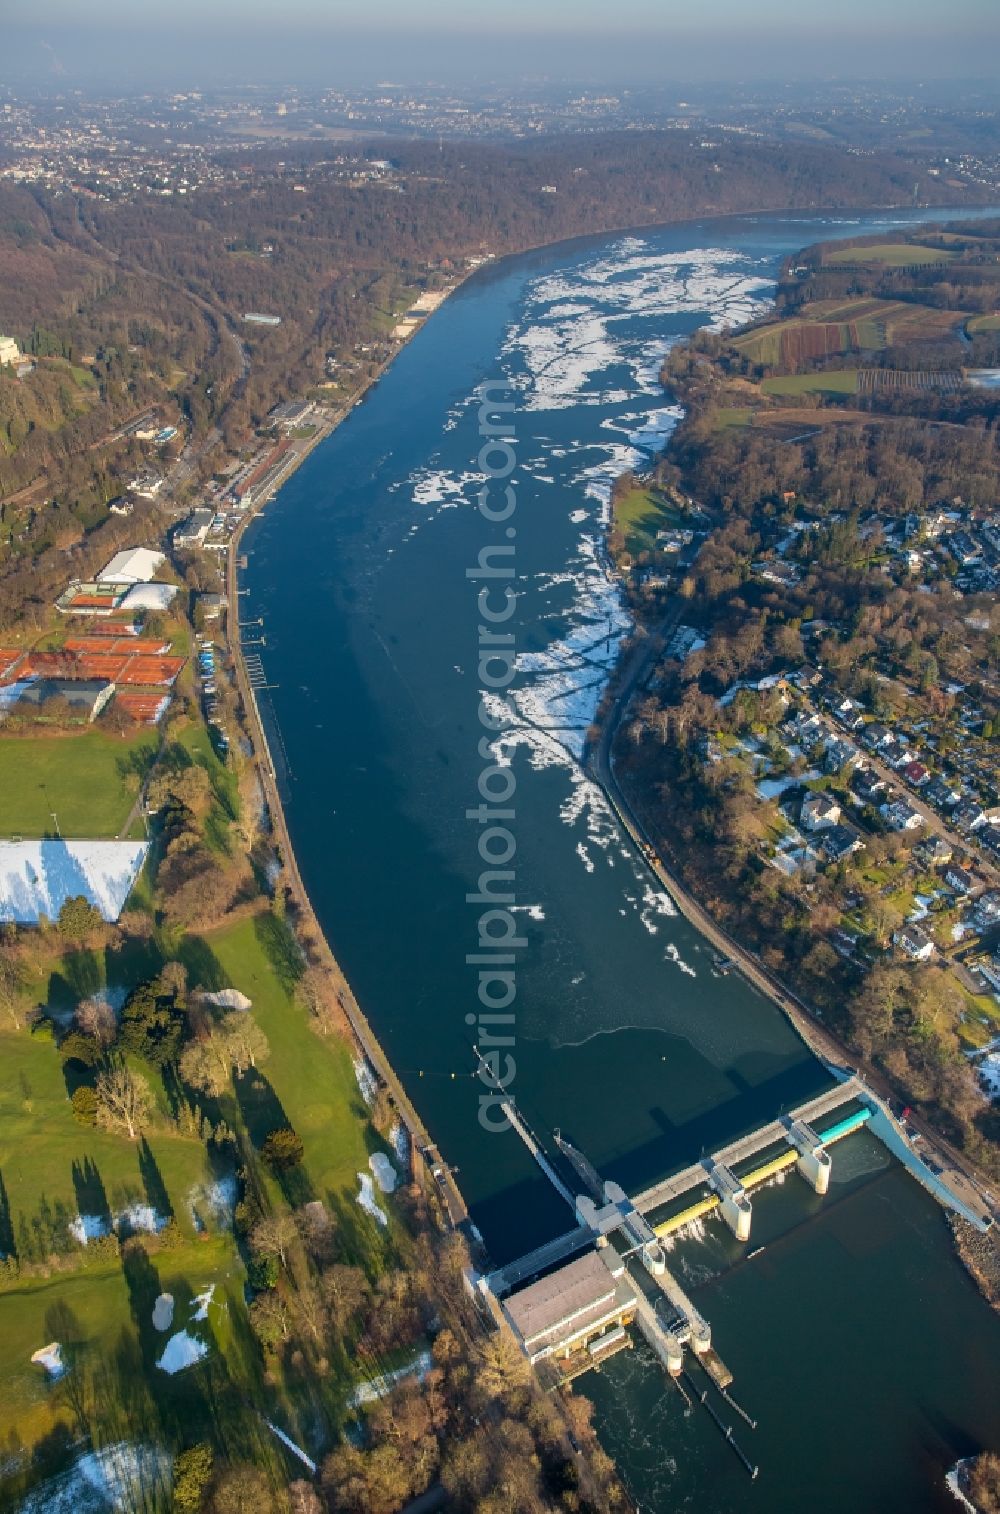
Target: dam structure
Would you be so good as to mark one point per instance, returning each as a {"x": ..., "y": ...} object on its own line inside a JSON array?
[{"x": 569, "y": 1301}]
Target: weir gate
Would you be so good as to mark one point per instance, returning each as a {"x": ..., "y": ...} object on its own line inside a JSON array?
[{"x": 569, "y": 1301}]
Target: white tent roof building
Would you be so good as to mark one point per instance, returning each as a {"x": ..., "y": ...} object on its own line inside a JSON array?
[
  {"x": 133, "y": 566},
  {"x": 37, "y": 877},
  {"x": 148, "y": 597}
]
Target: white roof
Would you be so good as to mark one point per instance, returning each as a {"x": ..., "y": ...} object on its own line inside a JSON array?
[
  {"x": 134, "y": 565},
  {"x": 148, "y": 597},
  {"x": 37, "y": 877}
]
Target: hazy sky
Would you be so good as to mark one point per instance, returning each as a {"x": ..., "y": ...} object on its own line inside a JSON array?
[{"x": 346, "y": 41}]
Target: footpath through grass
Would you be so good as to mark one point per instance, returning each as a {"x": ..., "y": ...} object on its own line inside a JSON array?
[{"x": 82, "y": 779}]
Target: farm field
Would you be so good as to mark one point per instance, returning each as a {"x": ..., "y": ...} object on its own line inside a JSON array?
[
  {"x": 833, "y": 326},
  {"x": 984, "y": 323},
  {"x": 81, "y": 778},
  {"x": 892, "y": 254},
  {"x": 830, "y": 381}
]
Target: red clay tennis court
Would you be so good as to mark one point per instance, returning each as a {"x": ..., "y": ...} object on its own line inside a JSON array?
[
  {"x": 125, "y": 646},
  {"x": 144, "y": 708},
  {"x": 8, "y": 657}
]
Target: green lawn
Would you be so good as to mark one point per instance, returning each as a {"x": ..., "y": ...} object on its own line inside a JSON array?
[
  {"x": 90, "y": 1312},
  {"x": 40, "y": 1141},
  {"x": 893, "y": 254},
  {"x": 82, "y": 778},
  {"x": 105, "y": 1307},
  {"x": 984, "y": 323},
  {"x": 732, "y": 418},
  {"x": 830, "y": 381},
  {"x": 641, "y": 513},
  {"x": 311, "y": 1078}
]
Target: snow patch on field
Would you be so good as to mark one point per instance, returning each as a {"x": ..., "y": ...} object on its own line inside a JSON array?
[
  {"x": 367, "y": 1083},
  {"x": 378, "y": 1387},
  {"x": 119, "y": 1477},
  {"x": 131, "y": 1220},
  {"x": 383, "y": 1171},
  {"x": 369, "y": 1203},
  {"x": 50, "y": 1357},
  {"x": 182, "y": 1350}
]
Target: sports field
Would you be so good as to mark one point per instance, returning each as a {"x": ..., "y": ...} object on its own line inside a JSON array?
[
  {"x": 640, "y": 514},
  {"x": 82, "y": 779}
]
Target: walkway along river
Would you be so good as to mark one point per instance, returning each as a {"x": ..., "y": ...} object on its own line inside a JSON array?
[{"x": 857, "y": 1341}]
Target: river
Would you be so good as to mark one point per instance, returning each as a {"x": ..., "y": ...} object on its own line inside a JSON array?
[{"x": 857, "y": 1341}]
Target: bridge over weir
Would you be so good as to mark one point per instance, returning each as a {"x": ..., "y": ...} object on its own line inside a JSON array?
[{"x": 714, "y": 1171}]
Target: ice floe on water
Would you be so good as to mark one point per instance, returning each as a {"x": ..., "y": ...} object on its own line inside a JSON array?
[
  {"x": 673, "y": 955},
  {"x": 656, "y": 905},
  {"x": 369, "y": 1203},
  {"x": 575, "y": 331},
  {"x": 576, "y": 516}
]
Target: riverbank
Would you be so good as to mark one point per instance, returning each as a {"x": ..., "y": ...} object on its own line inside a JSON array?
[
  {"x": 952, "y": 1177},
  {"x": 981, "y": 1257}
]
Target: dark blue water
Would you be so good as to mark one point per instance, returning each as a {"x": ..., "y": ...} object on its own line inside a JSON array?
[{"x": 624, "y": 1038}]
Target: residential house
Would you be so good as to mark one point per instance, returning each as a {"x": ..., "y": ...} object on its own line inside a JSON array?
[
  {"x": 916, "y": 773},
  {"x": 901, "y": 816},
  {"x": 968, "y": 815},
  {"x": 986, "y": 910},
  {"x": 896, "y": 753},
  {"x": 819, "y": 811},
  {"x": 914, "y": 943},
  {"x": 959, "y": 878},
  {"x": 939, "y": 794},
  {"x": 867, "y": 784},
  {"x": 876, "y": 736},
  {"x": 849, "y": 713},
  {"x": 840, "y": 841},
  {"x": 840, "y": 754},
  {"x": 934, "y": 852}
]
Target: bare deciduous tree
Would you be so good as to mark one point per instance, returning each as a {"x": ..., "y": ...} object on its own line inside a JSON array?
[{"x": 124, "y": 1100}]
